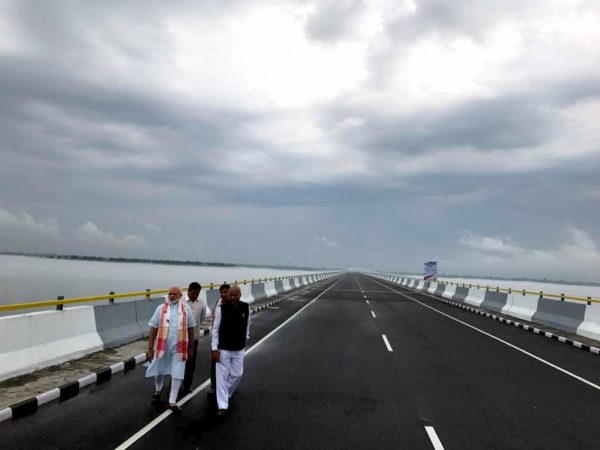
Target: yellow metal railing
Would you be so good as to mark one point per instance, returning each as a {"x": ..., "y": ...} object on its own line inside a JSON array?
[
  {"x": 539, "y": 294},
  {"x": 60, "y": 302}
]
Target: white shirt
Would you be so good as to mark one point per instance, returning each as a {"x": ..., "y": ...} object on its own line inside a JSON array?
[
  {"x": 214, "y": 342},
  {"x": 198, "y": 308}
]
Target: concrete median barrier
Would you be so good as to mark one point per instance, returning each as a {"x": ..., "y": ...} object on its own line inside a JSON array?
[
  {"x": 258, "y": 291},
  {"x": 475, "y": 296},
  {"x": 144, "y": 310},
  {"x": 495, "y": 301},
  {"x": 590, "y": 327},
  {"x": 449, "y": 291},
  {"x": 32, "y": 341},
  {"x": 564, "y": 315},
  {"x": 521, "y": 306},
  {"x": 117, "y": 323}
]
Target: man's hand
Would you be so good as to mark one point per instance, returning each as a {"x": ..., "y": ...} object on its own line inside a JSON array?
[
  {"x": 150, "y": 355},
  {"x": 216, "y": 355}
]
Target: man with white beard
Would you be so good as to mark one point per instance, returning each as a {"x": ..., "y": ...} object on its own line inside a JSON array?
[{"x": 172, "y": 327}]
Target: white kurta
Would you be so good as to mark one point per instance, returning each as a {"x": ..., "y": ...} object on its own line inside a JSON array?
[{"x": 170, "y": 363}]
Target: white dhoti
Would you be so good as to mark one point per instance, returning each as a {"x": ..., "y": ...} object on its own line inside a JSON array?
[{"x": 229, "y": 372}]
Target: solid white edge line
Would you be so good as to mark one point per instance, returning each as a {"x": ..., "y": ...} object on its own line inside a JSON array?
[
  {"x": 133, "y": 439},
  {"x": 433, "y": 437},
  {"x": 531, "y": 355},
  {"x": 373, "y": 314},
  {"x": 387, "y": 343}
]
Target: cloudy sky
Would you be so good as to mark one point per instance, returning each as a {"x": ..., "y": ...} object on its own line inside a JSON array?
[{"x": 345, "y": 133}]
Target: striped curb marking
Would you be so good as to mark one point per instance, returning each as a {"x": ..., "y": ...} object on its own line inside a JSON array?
[{"x": 547, "y": 334}]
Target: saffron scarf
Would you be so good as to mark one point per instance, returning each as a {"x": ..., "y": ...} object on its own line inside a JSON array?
[{"x": 163, "y": 330}]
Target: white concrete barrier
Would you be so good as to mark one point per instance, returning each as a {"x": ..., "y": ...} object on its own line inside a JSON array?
[
  {"x": 36, "y": 340},
  {"x": 449, "y": 291},
  {"x": 286, "y": 285},
  {"x": 590, "y": 327},
  {"x": 475, "y": 297},
  {"x": 246, "y": 293},
  {"x": 432, "y": 288},
  {"x": 270, "y": 289},
  {"x": 521, "y": 306}
]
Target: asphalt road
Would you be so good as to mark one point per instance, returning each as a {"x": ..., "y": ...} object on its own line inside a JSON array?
[{"x": 359, "y": 364}]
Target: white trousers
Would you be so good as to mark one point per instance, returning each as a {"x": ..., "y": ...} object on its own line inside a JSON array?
[
  {"x": 175, "y": 385},
  {"x": 229, "y": 372}
]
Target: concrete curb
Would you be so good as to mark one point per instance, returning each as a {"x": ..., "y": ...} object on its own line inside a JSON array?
[
  {"x": 72, "y": 389},
  {"x": 556, "y": 337}
]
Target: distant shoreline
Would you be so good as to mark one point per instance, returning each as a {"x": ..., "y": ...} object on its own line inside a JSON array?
[{"x": 159, "y": 261}]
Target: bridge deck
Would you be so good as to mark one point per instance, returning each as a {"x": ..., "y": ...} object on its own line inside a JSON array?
[{"x": 327, "y": 379}]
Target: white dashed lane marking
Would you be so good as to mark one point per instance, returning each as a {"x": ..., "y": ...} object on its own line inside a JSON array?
[
  {"x": 433, "y": 437},
  {"x": 373, "y": 314},
  {"x": 387, "y": 343}
]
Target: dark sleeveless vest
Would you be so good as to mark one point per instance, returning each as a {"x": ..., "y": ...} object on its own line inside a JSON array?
[{"x": 233, "y": 327}]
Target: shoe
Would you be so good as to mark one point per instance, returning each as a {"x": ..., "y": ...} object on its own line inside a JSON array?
[
  {"x": 175, "y": 409},
  {"x": 221, "y": 412},
  {"x": 156, "y": 398}
]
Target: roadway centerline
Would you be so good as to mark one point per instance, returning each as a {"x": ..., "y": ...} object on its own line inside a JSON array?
[
  {"x": 433, "y": 437},
  {"x": 387, "y": 343},
  {"x": 143, "y": 431},
  {"x": 519, "y": 349}
]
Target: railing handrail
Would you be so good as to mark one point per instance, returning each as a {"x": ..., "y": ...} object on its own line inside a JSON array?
[
  {"x": 539, "y": 294},
  {"x": 146, "y": 293}
]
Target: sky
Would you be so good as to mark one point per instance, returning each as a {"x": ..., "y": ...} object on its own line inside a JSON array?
[{"x": 350, "y": 134}]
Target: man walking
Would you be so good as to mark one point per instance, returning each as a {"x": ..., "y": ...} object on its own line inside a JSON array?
[
  {"x": 223, "y": 298},
  {"x": 230, "y": 331},
  {"x": 198, "y": 307},
  {"x": 172, "y": 327}
]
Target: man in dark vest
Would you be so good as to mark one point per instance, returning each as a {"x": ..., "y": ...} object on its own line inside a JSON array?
[{"x": 231, "y": 329}]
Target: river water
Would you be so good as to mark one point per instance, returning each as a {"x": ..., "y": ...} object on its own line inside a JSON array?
[{"x": 29, "y": 279}]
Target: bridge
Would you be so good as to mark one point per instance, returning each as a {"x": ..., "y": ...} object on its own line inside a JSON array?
[{"x": 355, "y": 361}]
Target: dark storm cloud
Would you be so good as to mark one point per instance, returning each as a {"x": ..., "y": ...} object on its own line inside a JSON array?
[{"x": 515, "y": 120}]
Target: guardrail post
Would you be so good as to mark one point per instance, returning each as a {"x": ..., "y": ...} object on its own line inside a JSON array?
[
  {"x": 497, "y": 289},
  {"x": 541, "y": 294},
  {"x": 59, "y": 307},
  {"x": 523, "y": 291},
  {"x": 147, "y": 294},
  {"x": 509, "y": 290},
  {"x": 211, "y": 286},
  {"x": 562, "y": 297},
  {"x": 111, "y": 300},
  {"x": 589, "y": 302}
]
